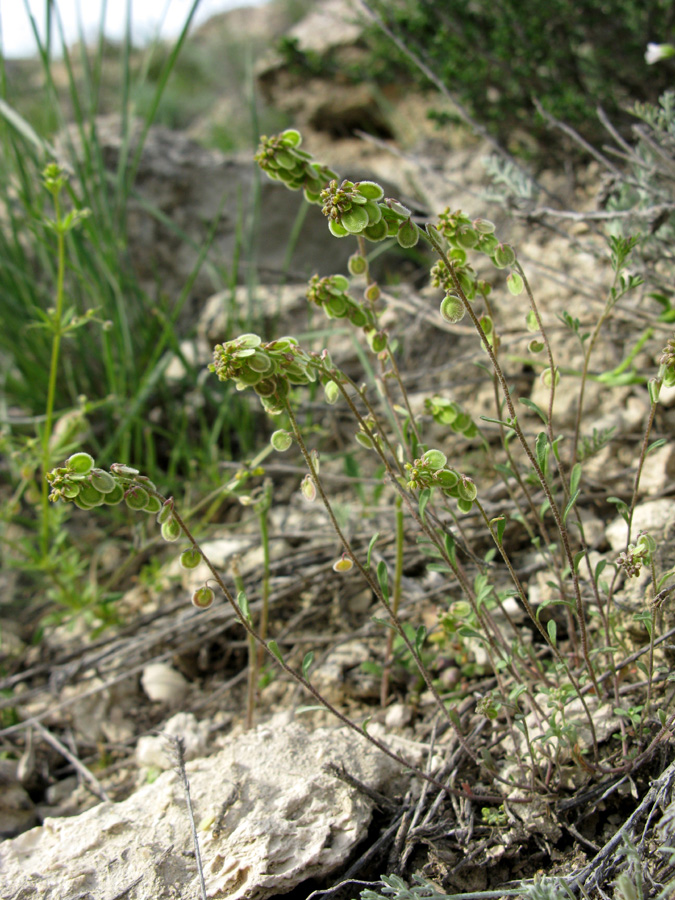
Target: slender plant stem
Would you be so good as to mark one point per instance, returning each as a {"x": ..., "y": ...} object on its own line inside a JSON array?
[{"x": 57, "y": 331}]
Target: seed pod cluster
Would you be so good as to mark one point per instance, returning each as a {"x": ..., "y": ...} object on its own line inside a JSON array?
[
  {"x": 282, "y": 159},
  {"x": 431, "y": 470},
  {"x": 360, "y": 208}
]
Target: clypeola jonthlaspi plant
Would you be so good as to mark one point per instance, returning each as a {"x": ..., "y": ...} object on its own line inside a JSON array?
[{"x": 548, "y": 689}]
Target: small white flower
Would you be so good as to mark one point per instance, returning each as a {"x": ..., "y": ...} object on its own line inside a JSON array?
[{"x": 657, "y": 52}]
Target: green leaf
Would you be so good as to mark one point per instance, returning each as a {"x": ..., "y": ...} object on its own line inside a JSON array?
[
  {"x": 577, "y": 560},
  {"x": 425, "y": 496},
  {"x": 383, "y": 578},
  {"x": 575, "y": 477},
  {"x": 500, "y": 525},
  {"x": 370, "y": 548},
  {"x": 420, "y": 638},
  {"x": 599, "y": 569},
  {"x": 541, "y": 447},
  {"x": 386, "y": 622},
  {"x": 621, "y": 507},
  {"x": 530, "y": 404},
  {"x": 273, "y": 647},
  {"x": 506, "y": 424},
  {"x": 552, "y": 630},
  {"x": 656, "y": 444},
  {"x": 450, "y": 547},
  {"x": 570, "y": 505},
  {"x": 242, "y": 603},
  {"x": 365, "y": 724},
  {"x": 306, "y": 663}
]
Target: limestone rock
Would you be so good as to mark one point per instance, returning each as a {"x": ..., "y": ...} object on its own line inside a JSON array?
[{"x": 271, "y": 817}]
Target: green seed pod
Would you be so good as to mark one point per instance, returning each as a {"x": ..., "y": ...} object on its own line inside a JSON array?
[
  {"x": 535, "y": 346},
  {"x": 364, "y": 440},
  {"x": 153, "y": 505},
  {"x": 487, "y": 243},
  {"x": 122, "y": 469},
  {"x": 547, "y": 379},
  {"x": 371, "y": 190},
  {"x": 446, "y": 478},
  {"x": 452, "y": 309},
  {"x": 434, "y": 459},
  {"x": 483, "y": 226},
  {"x": 515, "y": 284},
  {"x": 291, "y": 137},
  {"x": 377, "y": 232},
  {"x": 171, "y": 530},
  {"x": 408, "y": 234},
  {"x": 331, "y": 392},
  {"x": 372, "y": 293},
  {"x": 464, "y": 506},
  {"x": 165, "y": 512},
  {"x": 357, "y": 316},
  {"x": 102, "y": 480},
  {"x": 357, "y": 264},
  {"x": 336, "y": 229},
  {"x": 336, "y": 308},
  {"x": 308, "y": 488},
  {"x": 136, "y": 497},
  {"x": 260, "y": 362},
  {"x": 645, "y": 545},
  {"x": 354, "y": 220},
  {"x": 70, "y": 491},
  {"x": 190, "y": 558},
  {"x": 88, "y": 494},
  {"x": 281, "y": 440},
  {"x": 286, "y": 159},
  {"x": 80, "y": 463},
  {"x": 466, "y": 237},
  {"x": 115, "y": 496},
  {"x": 203, "y": 597},
  {"x": 374, "y": 212},
  {"x": 80, "y": 503},
  {"x": 504, "y": 256},
  {"x": 344, "y": 564},
  {"x": 466, "y": 489},
  {"x": 378, "y": 342}
]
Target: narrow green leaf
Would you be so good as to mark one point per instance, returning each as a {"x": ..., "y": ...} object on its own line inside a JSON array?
[
  {"x": 552, "y": 630},
  {"x": 273, "y": 647},
  {"x": 370, "y": 548},
  {"x": 506, "y": 424},
  {"x": 242, "y": 603},
  {"x": 420, "y": 638},
  {"x": 383, "y": 578},
  {"x": 599, "y": 569},
  {"x": 365, "y": 724},
  {"x": 541, "y": 447},
  {"x": 575, "y": 477},
  {"x": 530, "y": 404},
  {"x": 386, "y": 622},
  {"x": 656, "y": 444},
  {"x": 450, "y": 547},
  {"x": 425, "y": 496},
  {"x": 307, "y": 662},
  {"x": 500, "y": 525},
  {"x": 570, "y": 505},
  {"x": 577, "y": 560}
]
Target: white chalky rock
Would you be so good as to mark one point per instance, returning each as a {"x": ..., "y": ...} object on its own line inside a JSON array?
[
  {"x": 155, "y": 751},
  {"x": 163, "y": 684},
  {"x": 271, "y": 817}
]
